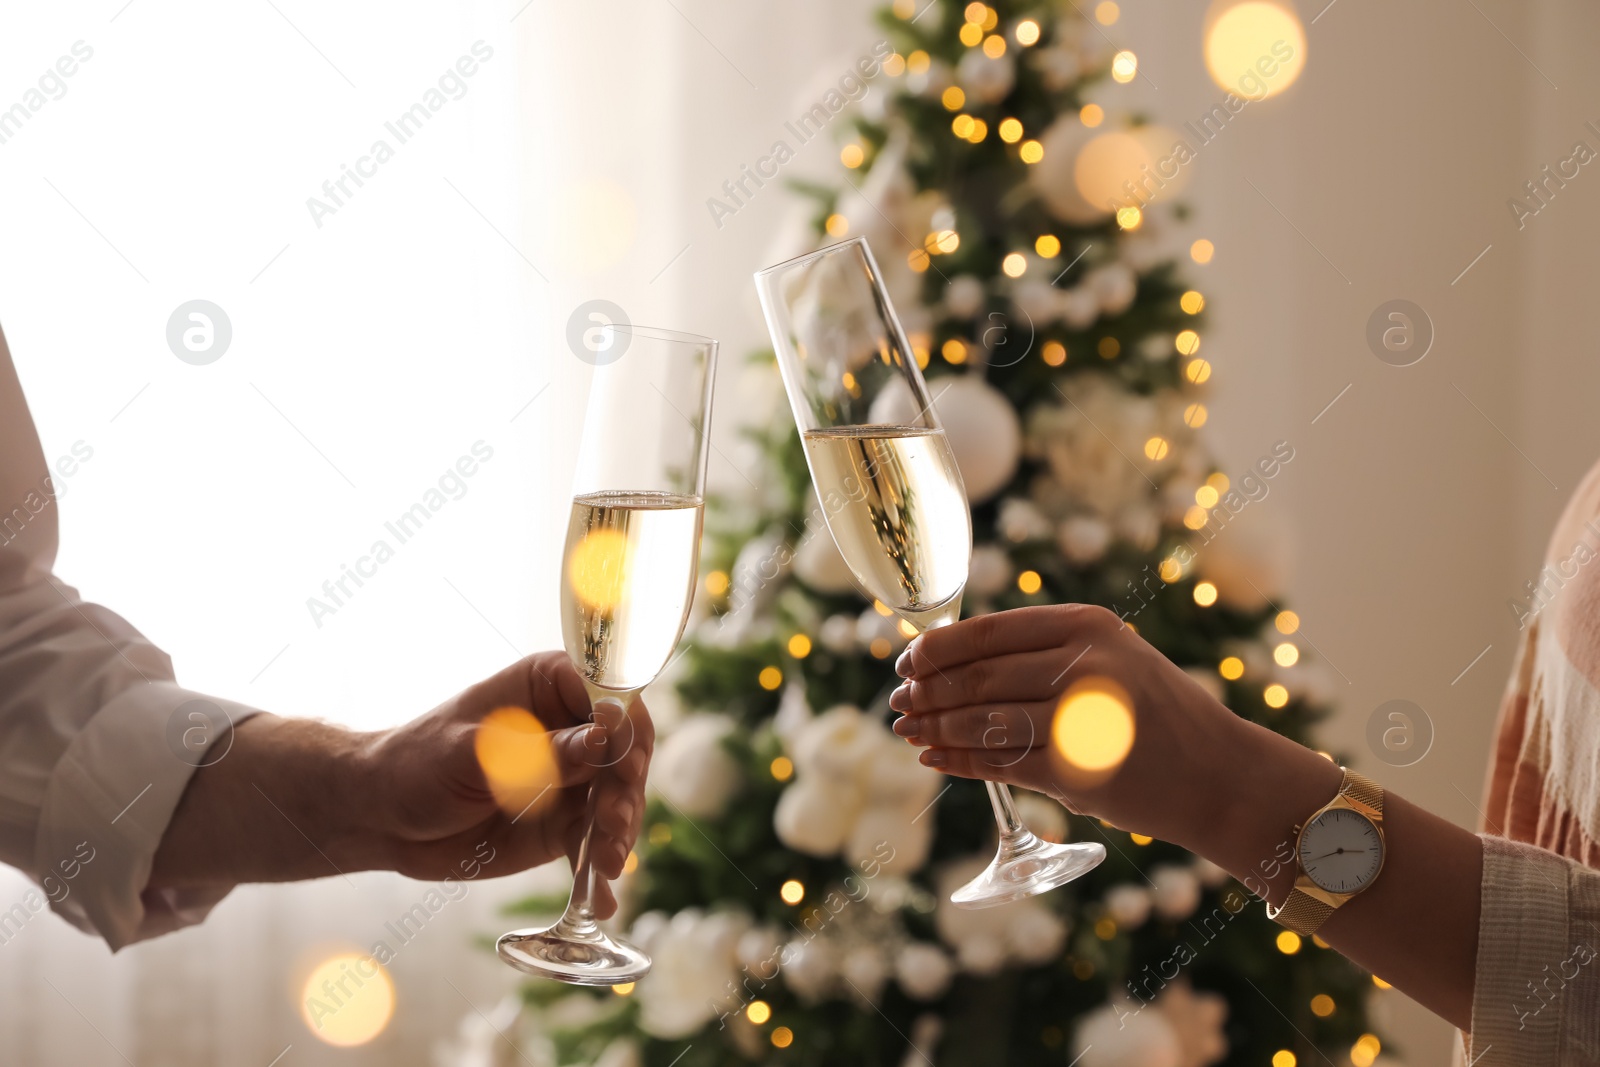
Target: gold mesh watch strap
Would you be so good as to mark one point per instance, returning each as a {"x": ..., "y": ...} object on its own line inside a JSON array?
[
  {"x": 1363, "y": 791},
  {"x": 1302, "y": 913}
]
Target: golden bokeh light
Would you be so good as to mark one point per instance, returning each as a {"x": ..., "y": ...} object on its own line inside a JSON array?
[
  {"x": 1231, "y": 668},
  {"x": 979, "y": 131},
  {"x": 1275, "y": 696},
  {"x": 1288, "y": 942},
  {"x": 1202, "y": 251},
  {"x": 1364, "y": 1053},
  {"x": 918, "y": 62},
  {"x": 1196, "y": 517},
  {"x": 1091, "y": 115},
  {"x": 881, "y": 608},
  {"x": 1255, "y": 49},
  {"x": 1026, "y": 33},
  {"x": 837, "y": 225},
  {"x": 905, "y": 9},
  {"x": 1031, "y": 151},
  {"x": 971, "y": 34},
  {"x": 852, "y": 155},
  {"x": 1029, "y": 582},
  {"x": 782, "y": 1037},
  {"x": 1206, "y": 496},
  {"x": 1106, "y": 12},
  {"x": 799, "y": 646},
  {"x": 1192, "y": 302},
  {"x": 953, "y": 98},
  {"x": 624, "y": 989},
  {"x": 758, "y": 1012},
  {"x": 1194, "y": 416},
  {"x": 660, "y": 834},
  {"x": 347, "y": 1000},
  {"x": 1093, "y": 729},
  {"x": 1219, "y": 482},
  {"x": 1054, "y": 353},
  {"x": 1322, "y": 1005},
  {"x": 942, "y": 242},
  {"x": 1286, "y": 654},
  {"x": 1124, "y": 65},
  {"x": 1010, "y": 131},
  {"x": 518, "y": 763},
  {"x": 1380, "y": 983},
  {"x": 1283, "y": 1058},
  {"x": 907, "y": 630},
  {"x": 962, "y": 125},
  {"x": 994, "y": 46},
  {"x": 1187, "y": 342},
  {"x": 894, "y": 65},
  {"x": 918, "y": 260},
  {"x": 1014, "y": 265},
  {"x": 717, "y": 583},
  {"x": 630, "y": 864},
  {"x": 1108, "y": 347},
  {"x": 1156, "y": 449},
  {"x": 782, "y": 768},
  {"x": 1287, "y": 622},
  {"x": 880, "y": 648},
  {"x": 1048, "y": 245},
  {"x": 1105, "y": 928},
  {"x": 976, "y": 12},
  {"x": 1170, "y": 570},
  {"x": 954, "y": 351},
  {"x": 1140, "y": 839},
  {"x": 598, "y": 569},
  {"x": 770, "y": 678},
  {"x": 1205, "y": 594},
  {"x": 792, "y": 892},
  {"x": 1198, "y": 371},
  {"x": 1129, "y": 218}
]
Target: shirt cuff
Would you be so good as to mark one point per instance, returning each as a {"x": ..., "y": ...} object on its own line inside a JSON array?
[
  {"x": 108, "y": 803},
  {"x": 1523, "y": 931}
]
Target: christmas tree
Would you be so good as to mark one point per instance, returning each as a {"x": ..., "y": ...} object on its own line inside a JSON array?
[{"x": 793, "y": 876}]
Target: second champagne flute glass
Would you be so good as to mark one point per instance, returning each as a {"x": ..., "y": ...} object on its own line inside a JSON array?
[
  {"x": 891, "y": 492},
  {"x": 627, "y": 582}
]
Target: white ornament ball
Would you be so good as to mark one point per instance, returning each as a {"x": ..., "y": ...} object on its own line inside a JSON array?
[
  {"x": 1084, "y": 539},
  {"x": 838, "y": 633},
  {"x": 984, "y": 432},
  {"x": 891, "y": 839},
  {"x": 1037, "y": 300},
  {"x": 990, "y": 571},
  {"x": 1019, "y": 520},
  {"x": 1037, "y": 934},
  {"x": 692, "y": 768},
  {"x": 964, "y": 297},
  {"x": 923, "y": 970},
  {"x": 760, "y": 949},
  {"x": 894, "y": 405},
  {"x": 1044, "y": 816},
  {"x": 1078, "y": 307},
  {"x": 865, "y": 971},
  {"x": 1176, "y": 892},
  {"x": 1126, "y": 1035},
  {"x": 1114, "y": 286},
  {"x": 814, "y": 815},
  {"x": 983, "y": 956},
  {"x": 620, "y": 1053},
  {"x": 818, "y": 563},
  {"x": 989, "y": 78},
  {"x": 1211, "y": 875},
  {"x": 810, "y": 968},
  {"x": 1052, "y": 177},
  {"x": 1128, "y": 905}
]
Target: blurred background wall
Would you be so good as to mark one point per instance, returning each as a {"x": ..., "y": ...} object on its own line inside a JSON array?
[{"x": 577, "y": 168}]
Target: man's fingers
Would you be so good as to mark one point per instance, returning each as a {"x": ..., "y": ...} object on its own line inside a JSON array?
[
  {"x": 578, "y": 753},
  {"x": 990, "y": 726},
  {"x": 1020, "y": 630}
]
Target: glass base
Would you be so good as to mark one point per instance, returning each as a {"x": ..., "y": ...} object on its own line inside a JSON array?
[
  {"x": 1026, "y": 866},
  {"x": 577, "y": 955}
]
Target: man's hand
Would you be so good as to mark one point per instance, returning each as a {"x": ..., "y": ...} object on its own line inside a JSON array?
[{"x": 298, "y": 799}]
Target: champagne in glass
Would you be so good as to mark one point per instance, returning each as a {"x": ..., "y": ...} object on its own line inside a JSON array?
[
  {"x": 627, "y": 582},
  {"x": 893, "y": 497}
]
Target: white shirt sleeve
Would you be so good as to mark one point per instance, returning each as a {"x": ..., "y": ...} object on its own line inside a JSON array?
[{"x": 97, "y": 742}]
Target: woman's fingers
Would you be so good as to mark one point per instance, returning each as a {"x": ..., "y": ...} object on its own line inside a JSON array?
[
  {"x": 1018, "y": 725},
  {"x": 1030, "y": 768},
  {"x": 1018, "y": 677},
  {"x": 1003, "y": 633}
]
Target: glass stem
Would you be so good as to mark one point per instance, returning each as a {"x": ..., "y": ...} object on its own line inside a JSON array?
[
  {"x": 579, "y": 917},
  {"x": 1005, "y": 813}
]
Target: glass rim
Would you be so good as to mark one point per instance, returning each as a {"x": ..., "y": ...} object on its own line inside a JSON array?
[
  {"x": 826, "y": 250},
  {"x": 658, "y": 333}
]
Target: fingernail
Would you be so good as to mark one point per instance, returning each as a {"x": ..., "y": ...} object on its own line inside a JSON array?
[
  {"x": 909, "y": 727},
  {"x": 935, "y": 758},
  {"x": 902, "y": 666},
  {"x": 900, "y": 699}
]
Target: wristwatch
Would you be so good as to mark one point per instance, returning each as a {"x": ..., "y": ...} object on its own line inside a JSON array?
[{"x": 1339, "y": 851}]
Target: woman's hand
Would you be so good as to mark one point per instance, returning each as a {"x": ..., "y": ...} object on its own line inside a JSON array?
[{"x": 982, "y": 696}]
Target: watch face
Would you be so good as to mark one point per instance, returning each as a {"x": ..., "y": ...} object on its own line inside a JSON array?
[{"x": 1341, "y": 851}]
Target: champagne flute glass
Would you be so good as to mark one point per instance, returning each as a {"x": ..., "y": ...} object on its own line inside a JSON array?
[
  {"x": 890, "y": 490},
  {"x": 628, "y": 579}
]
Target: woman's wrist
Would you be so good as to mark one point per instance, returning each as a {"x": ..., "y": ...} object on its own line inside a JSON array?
[{"x": 1263, "y": 787}]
